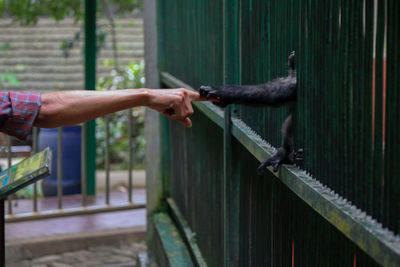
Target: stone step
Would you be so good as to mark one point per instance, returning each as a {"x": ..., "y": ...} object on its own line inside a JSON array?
[
  {"x": 50, "y": 77},
  {"x": 126, "y": 45},
  {"x": 70, "y": 22},
  {"x": 50, "y": 81},
  {"x": 128, "y": 241},
  {"x": 57, "y": 53},
  {"x": 64, "y": 69},
  {"x": 70, "y": 31},
  {"x": 123, "y": 37},
  {"x": 44, "y": 86},
  {"x": 29, "y": 61},
  {"x": 58, "y": 77},
  {"x": 35, "y": 56}
]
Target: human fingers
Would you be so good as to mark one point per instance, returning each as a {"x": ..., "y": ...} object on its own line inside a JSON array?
[
  {"x": 195, "y": 96},
  {"x": 186, "y": 122},
  {"x": 188, "y": 94},
  {"x": 179, "y": 112},
  {"x": 189, "y": 110}
]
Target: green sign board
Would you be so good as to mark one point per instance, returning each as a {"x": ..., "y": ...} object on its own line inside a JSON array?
[{"x": 25, "y": 172}]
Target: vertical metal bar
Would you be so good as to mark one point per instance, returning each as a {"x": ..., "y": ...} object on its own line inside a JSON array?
[
  {"x": 90, "y": 84},
  {"x": 35, "y": 150},
  {"x": 2, "y": 237},
  {"x": 59, "y": 168},
  {"x": 231, "y": 186},
  {"x": 83, "y": 164},
  {"x": 9, "y": 158},
  {"x": 227, "y": 176},
  {"x": 107, "y": 161},
  {"x": 226, "y": 113},
  {"x": 130, "y": 155},
  {"x": 153, "y": 130}
]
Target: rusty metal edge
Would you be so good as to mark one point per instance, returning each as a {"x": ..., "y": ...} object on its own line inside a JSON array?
[
  {"x": 188, "y": 236},
  {"x": 173, "y": 246}
]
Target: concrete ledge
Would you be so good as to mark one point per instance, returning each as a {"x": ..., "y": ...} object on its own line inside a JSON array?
[
  {"x": 174, "y": 252},
  {"x": 18, "y": 250}
]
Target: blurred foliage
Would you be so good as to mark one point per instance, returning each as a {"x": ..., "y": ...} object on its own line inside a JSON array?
[
  {"x": 68, "y": 44},
  {"x": 131, "y": 76},
  {"x": 28, "y": 192},
  {"x": 9, "y": 77},
  {"x": 5, "y": 75},
  {"x": 28, "y": 11}
]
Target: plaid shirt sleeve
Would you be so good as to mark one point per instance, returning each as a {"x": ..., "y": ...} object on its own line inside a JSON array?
[{"x": 18, "y": 110}]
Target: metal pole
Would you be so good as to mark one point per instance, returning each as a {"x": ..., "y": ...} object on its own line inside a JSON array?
[
  {"x": 9, "y": 158},
  {"x": 59, "y": 168},
  {"x": 34, "y": 150},
  {"x": 83, "y": 165},
  {"x": 107, "y": 161},
  {"x": 2, "y": 233},
  {"x": 130, "y": 155},
  {"x": 231, "y": 70},
  {"x": 90, "y": 84}
]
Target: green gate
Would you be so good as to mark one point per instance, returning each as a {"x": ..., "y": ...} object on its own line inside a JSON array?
[{"x": 342, "y": 206}]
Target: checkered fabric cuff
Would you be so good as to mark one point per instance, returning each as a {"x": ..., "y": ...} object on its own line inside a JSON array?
[{"x": 18, "y": 111}]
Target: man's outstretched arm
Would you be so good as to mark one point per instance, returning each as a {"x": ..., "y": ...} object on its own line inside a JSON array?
[{"x": 63, "y": 108}]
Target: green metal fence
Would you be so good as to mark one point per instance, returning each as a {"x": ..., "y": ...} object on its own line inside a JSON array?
[{"x": 342, "y": 207}]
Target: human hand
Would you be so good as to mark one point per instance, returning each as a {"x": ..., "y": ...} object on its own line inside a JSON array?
[{"x": 175, "y": 103}]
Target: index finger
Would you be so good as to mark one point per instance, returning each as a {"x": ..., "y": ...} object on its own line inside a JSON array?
[{"x": 195, "y": 96}]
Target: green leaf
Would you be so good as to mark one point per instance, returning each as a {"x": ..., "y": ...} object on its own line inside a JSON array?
[
  {"x": 12, "y": 79},
  {"x": 20, "y": 67},
  {"x": 5, "y": 46},
  {"x": 28, "y": 11}
]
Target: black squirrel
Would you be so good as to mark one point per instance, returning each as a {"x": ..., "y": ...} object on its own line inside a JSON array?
[{"x": 278, "y": 92}]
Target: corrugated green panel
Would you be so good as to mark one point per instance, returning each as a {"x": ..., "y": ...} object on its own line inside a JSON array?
[
  {"x": 265, "y": 47},
  {"x": 339, "y": 114},
  {"x": 165, "y": 155},
  {"x": 278, "y": 229},
  {"x": 196, "y": 182},
  {"x": 191, "y": 37},
  {"x": 231, "y": 182},
  {"x": 391, "y": 158},
  {"x": 346, "y": 120},
  {"x": 333, "y": 57}
]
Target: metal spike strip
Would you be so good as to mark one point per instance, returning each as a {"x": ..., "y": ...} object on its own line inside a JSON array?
[
  {"x": 324, "y": 190},
  {"x": 337, "y": 199},
  {"x": 361, "y": 216}
]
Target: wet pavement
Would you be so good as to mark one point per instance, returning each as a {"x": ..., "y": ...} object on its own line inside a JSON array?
[{"x": 125, "y": 255}]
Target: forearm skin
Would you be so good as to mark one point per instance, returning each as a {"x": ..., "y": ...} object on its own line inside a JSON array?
[{"x": 64, "y": 108}]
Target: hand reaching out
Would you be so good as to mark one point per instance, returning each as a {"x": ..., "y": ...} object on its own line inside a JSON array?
[
  {"x": 175, "y": 104},
  {"x": 62, "y": 108}
]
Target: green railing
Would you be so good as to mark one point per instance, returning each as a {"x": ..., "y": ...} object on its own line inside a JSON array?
[{"x": 341, "y": 207}]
